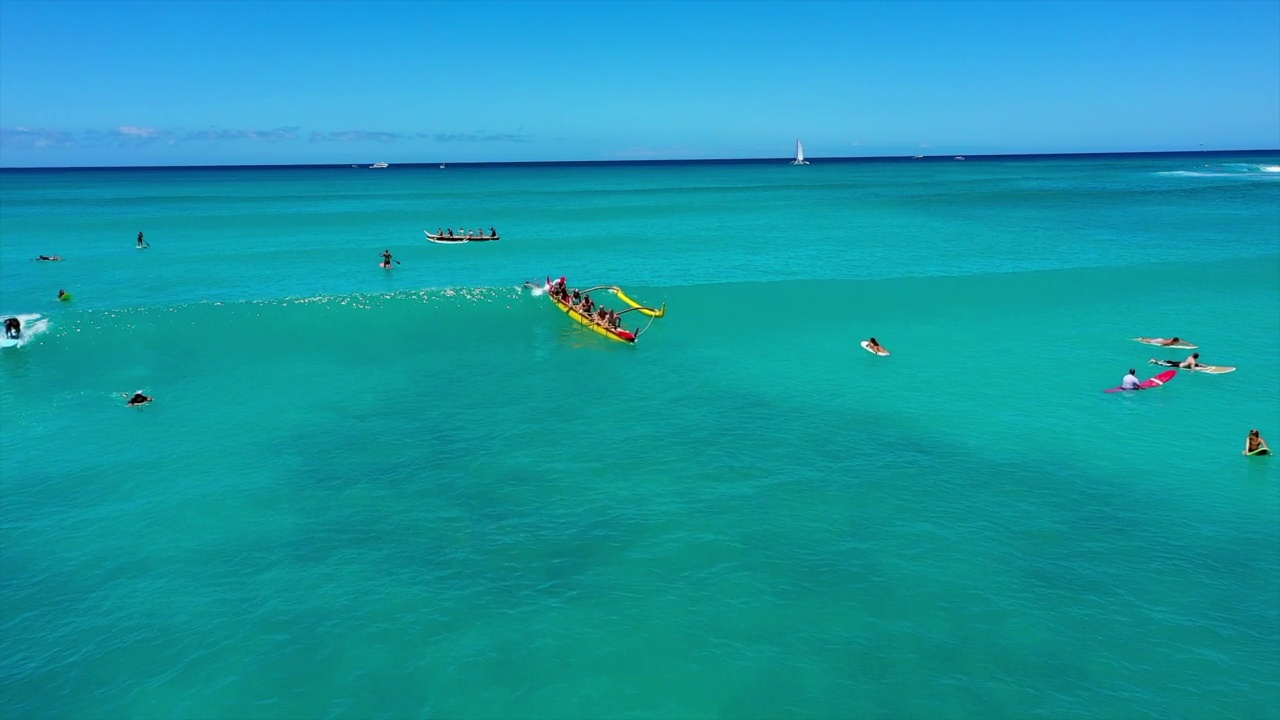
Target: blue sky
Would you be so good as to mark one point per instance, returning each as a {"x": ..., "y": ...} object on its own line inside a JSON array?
[{"x": 177, "y": 83}]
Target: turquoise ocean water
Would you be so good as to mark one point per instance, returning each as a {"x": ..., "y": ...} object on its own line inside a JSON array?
[{"x": 426, "y": 493}]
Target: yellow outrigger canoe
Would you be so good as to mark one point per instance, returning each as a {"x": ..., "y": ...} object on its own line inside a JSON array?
[{"x": 618, "y": 334}]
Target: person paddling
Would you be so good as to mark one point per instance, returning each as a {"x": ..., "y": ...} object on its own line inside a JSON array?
[
  {"x": 1191, "y": 363},
  {"x": 138, "y": 399},
  {"x": 142, "y": 243},
  {"x": 386, "y": 259}
]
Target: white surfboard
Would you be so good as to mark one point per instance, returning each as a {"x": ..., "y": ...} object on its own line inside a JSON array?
[{"x": 867, "y": 346}]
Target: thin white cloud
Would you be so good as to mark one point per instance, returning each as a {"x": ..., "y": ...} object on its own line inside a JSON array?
[
  {"x": 141, "y": 133},
  {"x": 356, "y": 136},
  {"x": 477, "y": 137},
  {"x": 280, "y": 134},
  {"x": 137, "y": 135},
  {"x": 23, "y": 137}
]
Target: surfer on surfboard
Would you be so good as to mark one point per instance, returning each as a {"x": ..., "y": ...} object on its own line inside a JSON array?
[
  {"x": 13, "y": 328},
  {"x": 142, "y": 243},
  {"x": 138, "y": 399},
  {"x": 874, "y": 346},
  {"x": 1147, "y": 384},
  {"x": 1255, "y": 445},
  {"x": 1131, "y": 381},
  {"x": 1191, "y": 363},
  {"x": 1174, "y": 341}
]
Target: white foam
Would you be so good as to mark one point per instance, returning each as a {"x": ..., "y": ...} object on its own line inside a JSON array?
[
  {"x": 1225, "y": 170},
  {"x": 32, "y": 325}
]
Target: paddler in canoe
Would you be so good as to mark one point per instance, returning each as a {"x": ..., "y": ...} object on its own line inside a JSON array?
[{"x": 583, "y": 304}]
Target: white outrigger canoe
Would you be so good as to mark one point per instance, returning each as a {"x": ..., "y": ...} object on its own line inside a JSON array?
[{"x": 459, "y": 239}]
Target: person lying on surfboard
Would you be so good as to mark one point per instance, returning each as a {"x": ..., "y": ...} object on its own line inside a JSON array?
[
  {"x": 138, "y": 399},
  {"x": 1255, "y": 445},
  {"x": 1171, "y": 342},
  {"x": 875, "y": 347},
  {"x": 49, "y": 258},
  {"x": 1191, "y": 363}
]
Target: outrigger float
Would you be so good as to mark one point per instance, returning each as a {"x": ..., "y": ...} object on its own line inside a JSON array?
[{"x": 618, "y": 333}]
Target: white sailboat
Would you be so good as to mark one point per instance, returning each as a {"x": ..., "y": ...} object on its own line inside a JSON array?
[{"x": 799, "y": 154}]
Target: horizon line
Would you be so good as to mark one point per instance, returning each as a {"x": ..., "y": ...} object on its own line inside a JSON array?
[{"x": 654, "y": 161}]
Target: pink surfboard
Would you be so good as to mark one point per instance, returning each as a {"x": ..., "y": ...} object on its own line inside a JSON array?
[{"x": 1156, "y": 381}]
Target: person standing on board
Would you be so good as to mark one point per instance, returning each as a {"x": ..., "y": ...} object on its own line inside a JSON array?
[{"x": 142, "y": 243}]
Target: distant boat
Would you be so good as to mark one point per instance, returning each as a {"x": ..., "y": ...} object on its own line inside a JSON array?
[
  {"x": 799, "y": 154},
  {"x": 917, "y": 157},
  {"x": 460, "y": 238},
  {"x": 378, "y": 166},
  {"x": 959, "y": 157},
  {"x": 441, "y": 166}
]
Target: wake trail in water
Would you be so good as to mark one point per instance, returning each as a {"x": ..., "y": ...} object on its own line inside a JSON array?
[
  {"x": 1238, "y": 170},
  {"x": 33, "y": 325}
]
